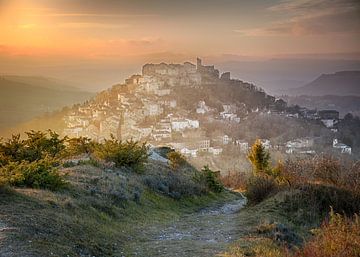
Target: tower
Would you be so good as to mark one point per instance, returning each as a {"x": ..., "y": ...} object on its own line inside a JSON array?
[
  {"x": 198, "y": 63},
  {"x": 335, "y": 142}
]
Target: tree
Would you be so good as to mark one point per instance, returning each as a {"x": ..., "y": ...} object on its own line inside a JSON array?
[
  {"x": 176, "y": 159},
  {"x": 259, "y": 157}
]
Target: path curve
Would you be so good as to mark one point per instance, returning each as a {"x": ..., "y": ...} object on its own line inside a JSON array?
[{"x": 203, "y": 233}]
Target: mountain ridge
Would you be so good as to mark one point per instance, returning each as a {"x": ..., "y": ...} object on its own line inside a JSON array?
[
  {"x": 340, "y": 83},
  {"x": 21, "y": 102}
]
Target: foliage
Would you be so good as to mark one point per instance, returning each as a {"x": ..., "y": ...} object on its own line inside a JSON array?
[
  {"x": 211, "y": 179},
  {"x": 340, "y": 236},
  {"x": 311, "y": 203},
  {"x": 259, "y": 157},
  {"x": 260, "y": 187},
  {"x": 130, "y": 154},
  {"x": 79, "y": 145},
  {"x": 236, "y": 180},
  {"x": 323, "y": 169},
  {"x": 37, "y": 146},
  {"x": 176, "y": 159},
  {"x": 175, "y": 185},
  {"x": 348, "y": 130},
  {"x": 36, "y": 174}
]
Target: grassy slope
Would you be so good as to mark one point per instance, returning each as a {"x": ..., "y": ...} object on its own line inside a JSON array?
[
  {"x": 269, "y": 211},
  {"x": 291, "y": 209},
  {"x": 75, "y": 222}
]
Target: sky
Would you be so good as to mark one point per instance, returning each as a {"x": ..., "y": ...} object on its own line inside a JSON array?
[{"x": 100, "y": 33}]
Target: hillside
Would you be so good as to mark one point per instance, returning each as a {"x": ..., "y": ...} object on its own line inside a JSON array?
[
  {"x": 281, "y": 74},
  {"x": 339, "y": 83},
  {"x": 24, "y": 98},
  {"x": 44, "y": 82},
  {"x": 343, "y": 104},
  {"x": 125, "y": 199}
]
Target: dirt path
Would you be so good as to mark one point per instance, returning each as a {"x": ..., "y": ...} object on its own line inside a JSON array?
[{"x": 204, "y": 233}]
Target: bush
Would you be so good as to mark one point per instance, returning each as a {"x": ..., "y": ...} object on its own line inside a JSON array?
[
  {"x": 211, "y": 179},
  {"x": 37, "y": 146},
  {"x": 176, "y": 159},
  {"x": 236, "y": 180},
  {"x": 340, "y": 236},
  {"x": 325, "y": 170},
  {"x": 130, "y": 154},
  {"x": 259, "y": 157},
  {"x": 37, "y": 174},
  {"x": 259, "y": 188},
  {"x": 311, "y": 203},
  {"x": 79, "y": 145},
  {"x": 174, "y": 185}
]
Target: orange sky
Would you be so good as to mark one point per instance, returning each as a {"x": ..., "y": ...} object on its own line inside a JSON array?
[
  {"x": 115, "y": 29},
  {"x": 96, "y": 43}
]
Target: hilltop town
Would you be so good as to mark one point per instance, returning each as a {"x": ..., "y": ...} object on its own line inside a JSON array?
[{"x": 179, "y": 105}]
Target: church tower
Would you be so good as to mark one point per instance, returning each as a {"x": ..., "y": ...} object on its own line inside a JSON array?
[{"x": 198, "y": 63}]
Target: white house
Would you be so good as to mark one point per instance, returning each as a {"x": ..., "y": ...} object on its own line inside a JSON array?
[
  {"x": 181, "y": 124},
  {"x": 226, "y": 139},
  {"x": 189, "y": 152},
  {"x": 215, "y": 150},
  {"x": 243, "y": 145},
  {"x": 162, "y": 92},
  {"x": 329, "y": 123},
  {"x": 298, "y": 144},
  {"x": 152, "y": 109},
  {"x": 342, "y": 147}
]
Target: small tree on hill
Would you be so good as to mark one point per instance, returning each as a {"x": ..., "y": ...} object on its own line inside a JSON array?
[
  {"x": 259, "y": 157},
  {"x": 176, "y": 159}
]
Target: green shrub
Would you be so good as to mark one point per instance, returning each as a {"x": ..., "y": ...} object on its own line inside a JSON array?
[
  {"x": 312, "y": 202},
  {"x": 130, "y": 154},
  {"x": 79, "y": 145},
  {"x": 176, "y": 159},
  {"x": 12, "y": 150},
  {"x": 37, "y": 174},
  {"x": 259, "y": 157},
  {"x": 69, "y": 164},
  {"x": 175, "y": 185},
  {"x": 37, "y": 146},
  {"x": 259, "y": 188},
  {"x": 211, "y": 179}
]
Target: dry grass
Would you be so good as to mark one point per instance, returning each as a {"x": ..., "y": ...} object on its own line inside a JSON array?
[
  {"x": 235, "y": 180},
  {"x": 340, "y": 236}
]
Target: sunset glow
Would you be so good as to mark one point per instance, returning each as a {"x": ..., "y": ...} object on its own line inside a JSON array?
[{"x": 122, "y": 28}]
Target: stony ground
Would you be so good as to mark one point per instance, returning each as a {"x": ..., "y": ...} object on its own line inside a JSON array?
[{"x": 204, "y": 233}]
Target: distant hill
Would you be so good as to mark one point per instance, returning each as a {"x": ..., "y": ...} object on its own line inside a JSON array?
[
  {"x": 343, "y": 104},
  {"x": 339, "y": 83},
  {"x": 23, "y": 98},
  {"x": 44, "y": 82}
]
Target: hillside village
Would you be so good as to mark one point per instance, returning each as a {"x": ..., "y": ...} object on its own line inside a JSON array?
[{"x": 169, "y": 104}]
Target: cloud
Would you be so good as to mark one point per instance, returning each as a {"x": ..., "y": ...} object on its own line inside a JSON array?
[
  {"x": 94, "y": 15},
  {"x": 91, "y": 25},
  {"x": 140, "y": 42},
  {"x": 311, "y": 17}
]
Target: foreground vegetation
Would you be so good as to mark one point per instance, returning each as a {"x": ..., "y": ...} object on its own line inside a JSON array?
[
  {"x": 57, "y": 193},
  {"x": 306, "y": 207},
  {"x": 76, "y": 197}
]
